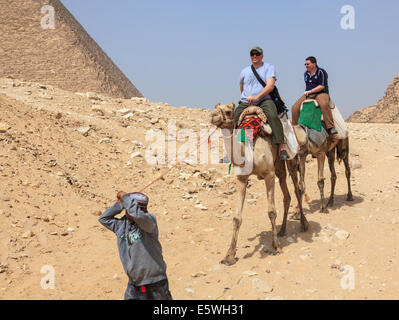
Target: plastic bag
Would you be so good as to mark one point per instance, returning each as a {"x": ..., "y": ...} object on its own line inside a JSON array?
[
  {"x": 339, "y": 122},
  {"x": 289, "y": 135}
]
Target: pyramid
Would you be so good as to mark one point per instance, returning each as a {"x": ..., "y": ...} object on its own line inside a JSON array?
[
  {"x": 385, "y": 111},
  {"x": 59, "y": 52}
]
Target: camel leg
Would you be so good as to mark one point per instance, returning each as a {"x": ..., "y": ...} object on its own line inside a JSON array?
[
  {"x": 300, "y": 165},
  {"x": 292, "y": 168},
  {"x": 320, "y": 182},
  {"x": 331, "y": 160},
  {"x": 230, "y": 258},
  {"x": 269, "y": 181},
  {"x": 348, "y": 177},
  {"x": 282, "y": 176}
]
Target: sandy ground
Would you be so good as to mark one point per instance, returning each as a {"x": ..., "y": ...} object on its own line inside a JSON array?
[{"x": 57, "y": 176}]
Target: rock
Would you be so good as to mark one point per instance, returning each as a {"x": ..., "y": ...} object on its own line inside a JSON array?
[
  {"x": 201, "y": 206},
  {"x": 198, "y": 274},
  {"x": 124, "y": 111},
  {"x": 106, "y": 140},
  {"x": 128, "y": 116},
  {"x": 306, "y": 255},
  {"x": 137, "y": 143},
  {"x": 139, "y": 100},
  {"x": 136, "y": 154},
  {"x": 138, "y": 111},
  {"x": 116, "y": 277},
  {"x": 251, "y": 201},
  {"x": 342, "y": 234},
  {"x": 98, "y": 109},
  {"x": 230, "y": 191},
  {"x": 261, "y": 285},
  {"x": 53, "y": 233},
  {"x": 70, "y": 229},
  {"x": 186, "y": 216},
  {"x": 4, "y": 127},
  {"x": 250, "y": 273},
  {"x": 92, "y": 96},
  {"x": 154, "y": 120},
  {"x": 84, "y": 130},
  {"x": 355, "y": 164},
  {"x": 190, "y": 291},
  {"x": 97, "y": 213},
  {"x": 28, "y": 234}
]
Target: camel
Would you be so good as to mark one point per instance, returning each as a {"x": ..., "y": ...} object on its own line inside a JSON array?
[
  {"x": 329, "y": 148},
  {"x": 266, "y": 165}
]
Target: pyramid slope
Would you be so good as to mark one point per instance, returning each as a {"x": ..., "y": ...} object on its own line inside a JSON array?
[
  {"x": 385, "y": 111},
  {"x": 66, "y": 57}
]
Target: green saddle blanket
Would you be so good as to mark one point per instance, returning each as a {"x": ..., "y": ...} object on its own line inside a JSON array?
[{"x": 310, "y": 116}]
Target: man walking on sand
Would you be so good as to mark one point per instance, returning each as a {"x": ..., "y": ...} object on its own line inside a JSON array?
[{"x": 139, "y": 248}]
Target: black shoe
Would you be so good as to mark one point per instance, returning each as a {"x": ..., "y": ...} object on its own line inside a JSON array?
[
  {"x": 284, "y": 155},
  {"x": 332, "y": 132}
]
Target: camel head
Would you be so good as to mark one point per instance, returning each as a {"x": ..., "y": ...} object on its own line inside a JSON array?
[{"x": 223, "y": 116}]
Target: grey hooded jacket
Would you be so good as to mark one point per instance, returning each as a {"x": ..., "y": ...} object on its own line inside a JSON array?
[{"x": 139, "y": 248}]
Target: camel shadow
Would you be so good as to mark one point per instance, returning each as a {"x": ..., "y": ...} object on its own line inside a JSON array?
[
  {"x": 339, "y": 202},
  {"x": 293, "y": 235}
]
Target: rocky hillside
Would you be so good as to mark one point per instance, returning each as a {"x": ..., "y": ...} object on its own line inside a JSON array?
[
  {"x": 64, "y": 156},
  {"x": 385, "y": 111}
]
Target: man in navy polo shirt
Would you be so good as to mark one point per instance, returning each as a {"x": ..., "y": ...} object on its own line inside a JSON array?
[{"x": 316, "y": 80}]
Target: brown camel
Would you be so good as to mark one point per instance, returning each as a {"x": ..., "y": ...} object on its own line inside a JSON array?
[
  {"x": 266, "y": 165},
  {"x": 328, "y": 148}
]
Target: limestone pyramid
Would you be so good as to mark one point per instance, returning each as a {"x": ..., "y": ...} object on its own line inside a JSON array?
[
  {"x": 385, "y": 111},
  {"x": 58, "y": 52}
]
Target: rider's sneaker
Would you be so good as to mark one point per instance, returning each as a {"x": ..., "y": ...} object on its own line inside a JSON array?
[
  {"x": 283, "y": 155},
  {"x": 332, "y": 132}
]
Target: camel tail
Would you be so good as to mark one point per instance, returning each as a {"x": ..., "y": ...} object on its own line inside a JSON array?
[{"x": 342, "y": 149}]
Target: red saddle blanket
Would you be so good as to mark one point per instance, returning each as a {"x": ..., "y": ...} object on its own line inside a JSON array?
[{"x": 251, "y": 123}]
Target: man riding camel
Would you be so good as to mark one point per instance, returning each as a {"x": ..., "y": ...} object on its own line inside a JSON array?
[
  {"x": 316, "y": 80},
  {"x": 253, "y": 93}
]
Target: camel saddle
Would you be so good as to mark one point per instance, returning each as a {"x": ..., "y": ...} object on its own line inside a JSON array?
[{"x": 253, "y": 118}]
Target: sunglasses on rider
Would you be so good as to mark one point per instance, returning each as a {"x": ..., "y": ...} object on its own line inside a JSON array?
[{"x": 255, "y": 53}]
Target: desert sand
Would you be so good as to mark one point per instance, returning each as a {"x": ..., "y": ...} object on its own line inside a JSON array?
[{"x": 64, "y": 156}]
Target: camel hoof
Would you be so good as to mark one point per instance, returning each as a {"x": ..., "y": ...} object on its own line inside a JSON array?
[
  {"x": 304, "y": 226},
  {"x": 228, "y": 261},
  {"x": 330, "y": 203},
  {"x": 324, "y": 210},
  {"x": 296, "y": 216},
  {"x": 276, "y": 246},
  {"x": 282, "y": 232},
  {"x": 349, "y": 198}
]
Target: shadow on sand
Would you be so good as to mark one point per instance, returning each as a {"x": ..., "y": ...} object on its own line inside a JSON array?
[
  {"x": 339, "y": 202},
  {"x": 293, "y": 234}
]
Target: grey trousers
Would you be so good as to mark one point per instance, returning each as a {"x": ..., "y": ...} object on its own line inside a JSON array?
[{"x": 153, "y": 291}]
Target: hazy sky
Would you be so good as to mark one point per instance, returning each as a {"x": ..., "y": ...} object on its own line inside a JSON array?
[{"x": 190, "y": 52}]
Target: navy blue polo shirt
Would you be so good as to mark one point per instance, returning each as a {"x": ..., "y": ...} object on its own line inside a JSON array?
[{"x": 319, "y": 78}]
